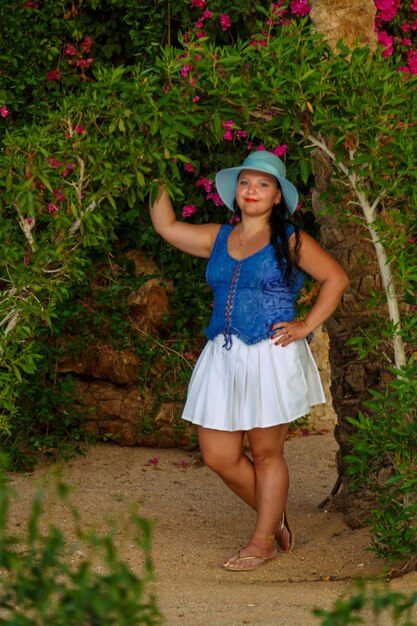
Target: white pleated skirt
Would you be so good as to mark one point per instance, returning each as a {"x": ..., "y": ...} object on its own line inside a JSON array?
[{"x": 254, "y": 386}]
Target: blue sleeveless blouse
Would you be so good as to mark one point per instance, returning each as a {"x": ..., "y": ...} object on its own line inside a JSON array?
[{"x": 249, "y": 295}]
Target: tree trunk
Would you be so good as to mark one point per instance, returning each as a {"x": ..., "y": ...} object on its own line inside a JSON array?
[{"x": 352, "y": 22}]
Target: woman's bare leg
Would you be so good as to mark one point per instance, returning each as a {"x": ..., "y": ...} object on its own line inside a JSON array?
[
  {"x": 261, "y": 483},
  {"x": 223, "y": 453}
]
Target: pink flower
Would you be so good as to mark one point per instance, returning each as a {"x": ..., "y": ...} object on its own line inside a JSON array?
[
  {"x": 405, "y": 28},
  {"x": 4, "y": 111},
  {"x": 196, "y": 98},
  {"x": 59, "y": 194},
  {"x": 228, "y": 135},
  {"x": 235, "y": 219},
  {"x": 387, "y": 9},
  {"x": 249, "y": 145},
  {"x": 229, "y": 124},
  {"x": 260, "y": 147},
  {"x": 86, "y": 44},
  {"x": 189, "y": 167},
  {"x": 153, "y": 461},
  {"x": 225, "y": 21},
  {"x": 241, "y": 134},
  {"x": 207, "y": 14},
  {"x": 205, "y": 182},
  {"x": 280, "y": 150},
  {"x": 414, "y": 5},
  {"x": 412, "y": 240},
  {"x": 214, "y": 196},
  {"x": 80, "y": 130},
  {"x": 387, "y": 42},
  {"x": 300, "y": 7},
  {"x": 198, "y": 3},
  {"x": 188, "y": 210},
  {"x": 70, "y": 50},
  {"x": 31, "y": 5},
  {"x": 185, "y": 69},
  {"x": 52, "y": 208},
  {"x": 68, "y": 169},
  {"x": 29, "y": 220},
  {"x": 55, "y": 164},
  {"x": 258, "y": 42},
  {"x": 54, "y": 75}
]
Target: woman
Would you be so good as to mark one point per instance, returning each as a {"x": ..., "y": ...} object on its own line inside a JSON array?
[{"x": 256, "y": 373}]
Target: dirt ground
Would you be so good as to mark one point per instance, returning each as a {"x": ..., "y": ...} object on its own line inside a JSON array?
[{"x": 198, "y": 523}]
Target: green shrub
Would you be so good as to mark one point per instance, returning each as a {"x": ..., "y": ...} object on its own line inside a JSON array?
[{"x": 42, "y": 583}]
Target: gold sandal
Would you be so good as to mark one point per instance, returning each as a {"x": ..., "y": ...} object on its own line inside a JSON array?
[{"x": 285, "y": 547}]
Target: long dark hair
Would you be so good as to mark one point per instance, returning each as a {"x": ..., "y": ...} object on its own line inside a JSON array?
[{"x": 287, "y": 259}]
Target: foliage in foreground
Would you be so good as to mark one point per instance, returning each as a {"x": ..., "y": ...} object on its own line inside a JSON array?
[
  {"x": 366, "y": 599},
  {"x": 45, "y": 582}
]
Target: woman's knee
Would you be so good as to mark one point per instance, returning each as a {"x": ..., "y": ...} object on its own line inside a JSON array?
[{"x": 220, "y": 451}]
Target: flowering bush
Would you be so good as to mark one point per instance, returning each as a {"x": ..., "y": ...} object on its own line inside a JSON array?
[{"x": 92, "y": 109}]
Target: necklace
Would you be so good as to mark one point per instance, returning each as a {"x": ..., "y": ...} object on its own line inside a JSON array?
[{"x": 242, "y": 244}]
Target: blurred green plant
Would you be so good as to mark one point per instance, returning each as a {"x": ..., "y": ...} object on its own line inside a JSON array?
[
  {"x": 367, "y": 599},
  {"x": 43, "y": 583}
]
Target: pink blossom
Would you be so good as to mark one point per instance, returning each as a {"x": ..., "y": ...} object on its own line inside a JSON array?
[
  {"x": 52, "y": 208},
  {"x": 387, "y": 42},
  {"x": 29, "y": 220},
  {"x": 196, "y": 98},
  {"x": 300, "y": 7},
  {"x": 414, "y": 5},
  {"x": 214, "y": 196},
  {"x": 280, "y": 150},
  {"x": 228, "y": 135},
  {"x": 84, "y": 63},
  {"x": 249, "y": 145},
  {"x": 54, "y": 75},
  {"x": 153, "y": 461},
  {"x": 59, "y": 194},
  {"x": 86, "y": 44},
  {"x": 225, "y": 21},
  {"x": 198, "y": 3},
  {"x": 405, "y": 28},
  {"x": 4, "y": 111},
  {"x": 241, "y": 134},
  {"x": 70, "y": 50},
  {"x": 185, "y": 69},
  {"x": 229, "y": 124},
  {"x": 405, "y": 42},
  {"x": 55, "y": 164},
  {"x": 207, "y": 14},
  {"x": 189, "y": 167},
  {"x": 31, "y": 5},
  {"x": 260, "y": 147},
  {"x": 235, "y": 219},
  {"x": 68, "y": 169},
  {"x": 387, "y": 9},
  {"x": 205, "y": 182},
  {"x": 80, "y": 130},
  {"x": 411, "y": 240},
  {"x": 412, "y": 61},
  {"x": 258, "y": 42},
  {"x": 188, "y": 210},
  {"x": 201, "y": 34}
]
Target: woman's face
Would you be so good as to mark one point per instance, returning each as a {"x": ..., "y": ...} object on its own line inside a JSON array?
[{"x": 256, "y": 193}]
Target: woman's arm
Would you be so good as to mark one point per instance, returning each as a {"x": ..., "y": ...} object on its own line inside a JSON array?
[
  {"x": 195, "y": 239},
  {"x": 333, "y": 281}
]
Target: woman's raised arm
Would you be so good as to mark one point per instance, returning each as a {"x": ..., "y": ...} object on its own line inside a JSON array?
[{"x": 195, "y": 239}]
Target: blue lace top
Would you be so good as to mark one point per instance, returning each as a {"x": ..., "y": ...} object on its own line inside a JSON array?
[{"x": 249, "y": 295}]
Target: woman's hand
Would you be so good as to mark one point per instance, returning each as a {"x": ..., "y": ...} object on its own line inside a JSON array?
[{"x": 287, "y": 332}]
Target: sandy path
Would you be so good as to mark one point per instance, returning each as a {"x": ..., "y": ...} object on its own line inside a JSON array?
[{"x": 198, "y": 522}]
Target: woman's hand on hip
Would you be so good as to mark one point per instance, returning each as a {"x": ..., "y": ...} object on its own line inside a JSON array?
[{"x": 285, "y": 333}]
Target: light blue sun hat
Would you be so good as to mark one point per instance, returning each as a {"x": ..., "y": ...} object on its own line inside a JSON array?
[{"x": 260, "y": 161}]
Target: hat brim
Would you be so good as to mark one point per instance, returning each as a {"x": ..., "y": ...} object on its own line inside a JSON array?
[{"x": 226, "y": 181}]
